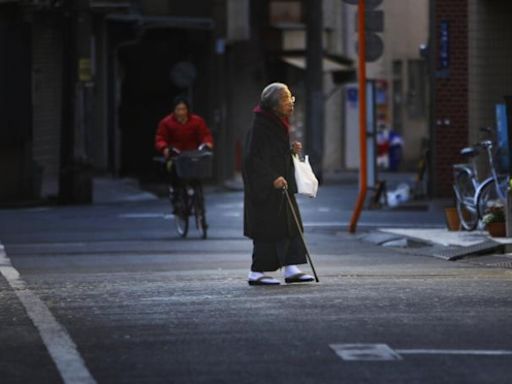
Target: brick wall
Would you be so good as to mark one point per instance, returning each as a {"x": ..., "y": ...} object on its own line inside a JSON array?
[
  {"x": 490, "y": 61},
  {"x": 450, "y": 125}
]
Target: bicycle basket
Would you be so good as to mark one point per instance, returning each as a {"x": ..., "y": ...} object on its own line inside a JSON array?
[{"x": 194, "y": 165}]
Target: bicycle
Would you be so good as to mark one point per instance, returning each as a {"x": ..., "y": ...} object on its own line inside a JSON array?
[
  {"x": 186, "y": 196},
  {"x": 474, "y": 199}
]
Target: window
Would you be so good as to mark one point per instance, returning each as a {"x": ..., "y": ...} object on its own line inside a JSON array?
[
  {"x": 282, "y": 11},
  {"x": 416, "y": 88}
]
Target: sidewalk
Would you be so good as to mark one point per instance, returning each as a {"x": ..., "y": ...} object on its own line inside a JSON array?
[
  {"x": 431, "y": 238},
  {"x": 113, "y": 190},
  {"x": 416, "y": 227},
  {"x": 476, "y": 247}
]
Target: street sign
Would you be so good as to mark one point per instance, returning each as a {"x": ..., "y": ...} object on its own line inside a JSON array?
[
  {"x": 84, "y": 69},
  {"x": 444, "y": 45},
  {"x": 374, "y": 47},
  {"x": 374, "y": 21},
  {"x": 370, "y": 4}
]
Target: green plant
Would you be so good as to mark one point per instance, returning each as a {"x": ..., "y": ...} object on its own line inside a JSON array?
[{"x": 495, "y": 215}]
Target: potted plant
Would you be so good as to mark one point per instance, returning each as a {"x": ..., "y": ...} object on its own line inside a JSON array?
[
  {"x": 494, "y": 221},
  {"x": 452, "y": 219}
]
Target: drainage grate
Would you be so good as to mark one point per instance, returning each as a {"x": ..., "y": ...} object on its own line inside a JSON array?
[
  {"x": 507, "y": 265},
  {"x": 494, "y": 261}
]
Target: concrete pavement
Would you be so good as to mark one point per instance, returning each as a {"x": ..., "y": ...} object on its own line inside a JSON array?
[{"x": 142, "y": 305}]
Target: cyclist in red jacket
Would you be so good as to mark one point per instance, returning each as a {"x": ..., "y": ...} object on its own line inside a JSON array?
[{"x": 180, "y": 131}]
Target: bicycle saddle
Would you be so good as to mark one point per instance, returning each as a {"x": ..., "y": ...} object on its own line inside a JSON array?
[{"x": 469, "y": 151}]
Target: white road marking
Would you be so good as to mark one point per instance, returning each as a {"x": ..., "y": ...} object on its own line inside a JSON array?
[
  {"x": 365, "y": 352},
  {"x": 475, "y": 352},
  {"x": 232, "y": 214},
  {"x": 229, "y": 205},
  {"x": 141, "y": 216},
  {"x": 61, "y": 348},
  {"x": 382, "y": 352},
  {"x": 56, "y": 244}
]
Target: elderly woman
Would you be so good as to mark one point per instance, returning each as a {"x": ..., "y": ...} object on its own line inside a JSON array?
[{"x": 267, "y": 170}]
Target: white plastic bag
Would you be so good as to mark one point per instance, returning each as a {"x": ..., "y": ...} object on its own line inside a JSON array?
[
  {"x": 307, "y": 184},
  {"x": 401, "y": 194}
]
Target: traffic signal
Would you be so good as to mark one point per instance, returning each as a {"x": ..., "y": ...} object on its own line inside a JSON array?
[{"x": 374, "y": 24}]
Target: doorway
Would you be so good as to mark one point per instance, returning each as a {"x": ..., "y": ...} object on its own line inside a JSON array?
[{"x": 148, "y": 86}]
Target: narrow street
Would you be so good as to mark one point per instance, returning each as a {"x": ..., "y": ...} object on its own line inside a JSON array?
[{"x": 139, "y": 305}]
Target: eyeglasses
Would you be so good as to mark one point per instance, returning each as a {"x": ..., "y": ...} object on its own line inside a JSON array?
[{"x": 290, "y": 99}]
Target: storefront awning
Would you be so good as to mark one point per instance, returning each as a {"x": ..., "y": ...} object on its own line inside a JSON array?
[{"x": 328, "y": 64}]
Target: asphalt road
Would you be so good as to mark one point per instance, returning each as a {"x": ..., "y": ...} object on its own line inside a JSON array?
[{"x": 109, "y": 294}]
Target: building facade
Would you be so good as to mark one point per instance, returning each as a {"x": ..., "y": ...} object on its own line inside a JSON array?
[
  {"x": 471, "y": 55},
  {"x": 91, "y": 79},
  {"x": 400, "y": 74}
]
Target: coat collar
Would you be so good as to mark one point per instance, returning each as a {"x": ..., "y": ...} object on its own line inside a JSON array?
[
  {"x": 173, "y": 118},
  {"x": 283, "y": 122}
]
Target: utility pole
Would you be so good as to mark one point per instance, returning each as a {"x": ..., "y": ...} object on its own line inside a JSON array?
[
  {"x": 75, "y": 181},
  {"x": 362, "y": 116},
  {"x": 315, "y": 105},
  {"x": 67, "y": 107}
]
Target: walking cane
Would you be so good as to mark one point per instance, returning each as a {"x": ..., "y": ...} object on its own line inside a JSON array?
[{"x": 295, "y": 217}]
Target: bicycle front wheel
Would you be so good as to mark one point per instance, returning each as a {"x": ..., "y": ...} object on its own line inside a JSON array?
[
  {"x": 467, "y": 210},
  {"x": 181, "y": 213},
  {"x": 181, "y": 222},
  {"x": 488, "y": 197},
  {"x": 200, "y": 211}
]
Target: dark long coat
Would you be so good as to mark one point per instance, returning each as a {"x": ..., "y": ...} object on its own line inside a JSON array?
[{"x": 267, "y": 156}]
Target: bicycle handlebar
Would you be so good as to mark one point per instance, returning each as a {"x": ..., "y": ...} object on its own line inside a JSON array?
[
  {"x": 486, "y": 143},
  {"x": 173, "y": 151}
]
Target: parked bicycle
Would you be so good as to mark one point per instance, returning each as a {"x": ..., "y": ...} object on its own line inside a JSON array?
[
  {"x": 474, "y": 199},
  {"x": 186, "y": 195}
]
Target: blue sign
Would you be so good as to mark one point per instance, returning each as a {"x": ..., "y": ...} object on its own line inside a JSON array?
[
  {"x": 444, "y": 45},
  {"x": 352, "y": 95},
  {"x": 503, "y": 143}
]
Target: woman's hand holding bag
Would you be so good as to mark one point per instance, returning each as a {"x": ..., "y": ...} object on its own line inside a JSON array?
[{"x": 307, "y": 183}]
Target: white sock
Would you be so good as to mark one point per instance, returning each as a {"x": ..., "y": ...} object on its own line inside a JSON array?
[
  {"x": 291, "y": 270},
  {"x": 255, "y": 275}
]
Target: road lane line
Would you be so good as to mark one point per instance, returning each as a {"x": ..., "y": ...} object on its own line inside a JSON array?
[
  {"x": 474, "y": 352},
  {"x": 59, "y": 344},
  {"x": 382, "y": 352},
  {"x": 141, "y": 215},
  {"x": 365, "y": 352}
]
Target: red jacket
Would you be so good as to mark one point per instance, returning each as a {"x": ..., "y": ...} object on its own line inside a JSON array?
[{"x": 185, "y": 137}]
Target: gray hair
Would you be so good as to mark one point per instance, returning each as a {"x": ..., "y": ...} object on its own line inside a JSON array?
[{"x": 271, "y": 95}]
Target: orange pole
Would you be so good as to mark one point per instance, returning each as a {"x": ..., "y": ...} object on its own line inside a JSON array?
[{"x": 362, "y": 117}]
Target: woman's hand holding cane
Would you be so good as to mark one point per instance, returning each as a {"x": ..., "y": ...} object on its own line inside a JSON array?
[{"x": 280, "y": 183}]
